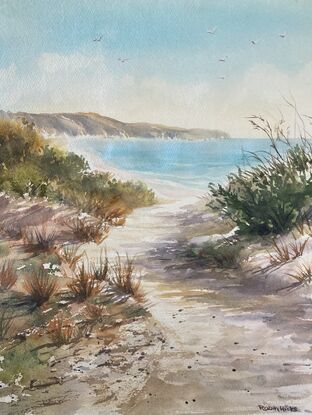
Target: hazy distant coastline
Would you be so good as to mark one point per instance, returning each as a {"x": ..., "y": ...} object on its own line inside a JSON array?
[{"x": 93, "y": 124}]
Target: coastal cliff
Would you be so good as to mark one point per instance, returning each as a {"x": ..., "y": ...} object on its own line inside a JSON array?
[{"x": 93, "y": 124}]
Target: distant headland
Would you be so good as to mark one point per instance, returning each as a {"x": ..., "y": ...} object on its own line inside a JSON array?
[{"x": 93, "y": 124}]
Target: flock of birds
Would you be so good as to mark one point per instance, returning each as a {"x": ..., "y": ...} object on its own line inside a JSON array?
[
  {"x": 253, "y": 42},
  {"x": 211, "y": 31},
  {"x": 99, "y": 38}
]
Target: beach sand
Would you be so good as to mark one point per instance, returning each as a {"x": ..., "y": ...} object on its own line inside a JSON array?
[{"x": 217, "y": 341}]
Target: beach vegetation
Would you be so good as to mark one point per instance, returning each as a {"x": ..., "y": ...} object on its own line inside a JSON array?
[
  {"x": 303, "y": 274},
  {"x": 96, "y": 312},
  {"x": 6, "y": 322},
  {"x": 284, "y": 251},
  {"x": 223, "y": 254},
  {"x": 271, "y": 196},
  {"x": 69, "y": 255},
  {"x": 62, "y": 330},
  {"x": 101, "y": 268},
  {"x": 84, "y": 284},
  {"x": 20, "y": 362},
  {"x": 87, "y": 229},
  {"x": 40, "y": 238},
  {"x": 40, "y": 286},
  {"x": 31, "y": 167},
  {"x": 8, "y": 276},
  {"x": 124, "y": 277}
]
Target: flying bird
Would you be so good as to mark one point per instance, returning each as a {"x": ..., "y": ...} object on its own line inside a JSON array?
[
  {"x": 253, "y": 42},
  {"x": 221, "y": 77},
  {"x": 98, "y": 39},
  {"x": 223, "y": 59},
  {"x": 123, "y": 60},
  {"x": 282, "y": 35},
  {"x": 212, "y": 31}
]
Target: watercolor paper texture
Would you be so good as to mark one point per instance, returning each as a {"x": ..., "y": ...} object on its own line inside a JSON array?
[{"x": 155, "y": 207}]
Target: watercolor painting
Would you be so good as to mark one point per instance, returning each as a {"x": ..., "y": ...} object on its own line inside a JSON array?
[{"x": 155, "y": 207}]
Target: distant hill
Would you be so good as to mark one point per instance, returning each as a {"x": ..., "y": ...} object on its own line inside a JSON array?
[{"x": 82, "y": 124}]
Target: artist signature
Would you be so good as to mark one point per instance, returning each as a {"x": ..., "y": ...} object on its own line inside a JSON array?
[{"x": 278, "y": 408}]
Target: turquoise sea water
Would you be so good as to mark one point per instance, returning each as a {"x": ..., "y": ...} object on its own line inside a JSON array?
[{"x": 190, "y": 163}]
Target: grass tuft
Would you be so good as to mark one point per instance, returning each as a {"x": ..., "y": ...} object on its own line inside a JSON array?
[
  {"x": 94, "y": 312},
  {"x": 303, "y": 274},
  {"x": 101, "y": 269},
  {"x": 40, "y": 238},
  {"x": 6, "y": 323},
  {"x": 8, "y": 276},
  {"x": 62, "y": 330},
  {"x": 115, "y": 216},
  {"x": 124, "y": 278},
  {"x": 84, "y": 284},
  {"x": 88, "y": 230},
  {"x": 40, "y": 286},
  {"x": 284, "y": 252},
  {"x": 69, "y": 255}
]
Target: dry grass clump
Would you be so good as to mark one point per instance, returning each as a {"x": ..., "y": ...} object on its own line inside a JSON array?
[
  {"x": 41, "y": 287},
  {"x": 124, "y": 277},
  {"x": 94, "y": 312},
  {"x": 62, "y": 330},
  {"x": 115, "y": 216},
  {"x": 101, "y": 270},
  {"x": 84, "y": 284},
  {"x": 304, "y": 223},
  {"x": 284, "y": 252},
  {"x": 6, "y": 323},
  {"x": 69, "y": 255},
  {"x": 88, "y": 230},
  {"x": 8, "y": 276},
  {"x": 40, "y": 238},
  {"x": 12, "y": 230},
  {"x": 113, "y": 211},
  {"x": 303, "y": 275}
]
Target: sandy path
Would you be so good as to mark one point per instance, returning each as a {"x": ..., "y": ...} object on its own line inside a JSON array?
[
  {"x": 230, "y": 347},
  {"x": 233, "y": 346}
]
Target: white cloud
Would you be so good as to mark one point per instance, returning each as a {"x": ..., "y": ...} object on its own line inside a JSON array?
[{"x": 81, "y": 82}]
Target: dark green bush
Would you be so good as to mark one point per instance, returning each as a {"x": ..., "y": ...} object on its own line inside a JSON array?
[{"x": 270, "y": 197}]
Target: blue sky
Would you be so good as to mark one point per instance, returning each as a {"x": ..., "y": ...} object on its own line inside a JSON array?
[{"x": 49, "y": 62}]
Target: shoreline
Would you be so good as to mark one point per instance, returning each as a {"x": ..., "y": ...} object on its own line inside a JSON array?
[{"x": 168, "y": 191}]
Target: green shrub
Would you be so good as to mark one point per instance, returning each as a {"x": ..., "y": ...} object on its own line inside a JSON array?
[
  {"x": 20, "y": 361},
  {"x": 18, "y": 142},
  {"x": 61, "y": 166},
  {"x": 25, "y": 178},
  {"x": 30, "y": 166},
  {"x": 224, "y": 255},
  {"x": 270, "y": 197}
]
